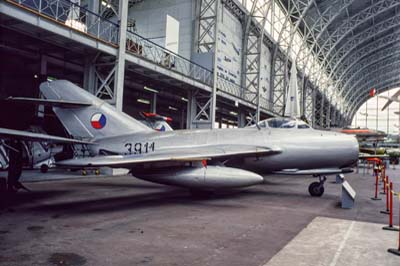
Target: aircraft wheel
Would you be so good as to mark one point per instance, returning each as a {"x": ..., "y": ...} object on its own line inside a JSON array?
[
  {"x": 84, "y": 172},
  {"x": 97, "y": 172},
  {"x": 316, "y": 189},
  {"x": 44, "y": 168}
]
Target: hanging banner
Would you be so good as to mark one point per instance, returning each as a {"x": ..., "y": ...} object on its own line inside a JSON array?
[{"x": 172, "y": 34}]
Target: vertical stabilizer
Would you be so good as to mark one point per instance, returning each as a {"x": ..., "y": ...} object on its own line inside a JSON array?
[{"x": 98, "y": 120}]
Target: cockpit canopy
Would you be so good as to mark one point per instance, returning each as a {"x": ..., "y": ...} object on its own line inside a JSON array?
[{"x": 283, "y": 122}]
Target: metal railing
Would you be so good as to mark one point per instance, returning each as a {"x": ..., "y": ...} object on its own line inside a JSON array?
[
  {"x": 74, "y": 16},
  {"x": 144, "y": 48},
  {"x": 237, "y": 91},
  {"x": 81, "y": 19},
  {"x": 229, "y": 87}
]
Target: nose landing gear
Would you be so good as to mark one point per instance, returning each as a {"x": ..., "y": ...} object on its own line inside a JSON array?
[{"x": 316, "y": 189}]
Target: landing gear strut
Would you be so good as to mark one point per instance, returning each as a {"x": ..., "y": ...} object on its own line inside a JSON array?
[
  {"x": 15, "y": 168},
  {"x": 316, "y": 189}
]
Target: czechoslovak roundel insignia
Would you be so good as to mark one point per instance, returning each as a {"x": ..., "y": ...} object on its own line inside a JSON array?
[{"x": 98, "y": 121}]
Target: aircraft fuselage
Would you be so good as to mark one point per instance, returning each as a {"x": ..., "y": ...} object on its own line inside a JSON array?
[{"x": 300, "y": 148}]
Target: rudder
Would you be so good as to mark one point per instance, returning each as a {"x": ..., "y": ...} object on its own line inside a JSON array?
[{"x": 99, "y": 120}]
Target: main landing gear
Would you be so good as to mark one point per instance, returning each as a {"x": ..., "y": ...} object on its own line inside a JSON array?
[
  {"x": 15, "y": 168},
  {"x": 316, "y": 189}
]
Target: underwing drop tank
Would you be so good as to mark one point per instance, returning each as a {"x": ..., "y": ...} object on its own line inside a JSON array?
[{"x": 200, "y": 177}]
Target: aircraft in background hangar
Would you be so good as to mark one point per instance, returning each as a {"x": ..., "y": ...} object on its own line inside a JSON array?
[
  {"x": 195, "y": 159},
  {"x": 393, "y": 98}
]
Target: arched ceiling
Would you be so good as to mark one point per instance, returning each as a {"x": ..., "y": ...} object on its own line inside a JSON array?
[{"x": 355, "y": 41}]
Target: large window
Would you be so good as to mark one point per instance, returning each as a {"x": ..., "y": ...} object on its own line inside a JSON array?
[{"x": 387, "y": 120}]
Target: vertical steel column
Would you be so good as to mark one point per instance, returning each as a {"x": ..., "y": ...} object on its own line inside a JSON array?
[
  {"x": 94, "y": 6},
  {"x": 309, "y": 102},
  {"x": 203, "y": 111},
  {"x": 89, "y": 75},
  {"x": 43, "y": 67},
  {"x": 120, "y": 70},
  {"x": 253, "y": 44},
  {"x": 313, "y": 107},
  {"x": 334, "y": 116},
  {"x": 241, "y": 119},
  {"x": 328, "y": 112},
  {"x": 278, "y": 82},
  {"x": 319, "y": 110},
  {"x": 215, "y": 70},
  {"x": 198, "y": 107},
  {"x": 153, "y": 105}
]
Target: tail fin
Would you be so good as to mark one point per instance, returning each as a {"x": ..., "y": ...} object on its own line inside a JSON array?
[{"x": 98, "y": 120}]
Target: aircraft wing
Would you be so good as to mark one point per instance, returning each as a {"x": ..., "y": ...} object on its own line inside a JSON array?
[
  {"x": 30, "y": 136},
  {"x": 185, "y": 154},
  {"x": 323, "y": 171}
]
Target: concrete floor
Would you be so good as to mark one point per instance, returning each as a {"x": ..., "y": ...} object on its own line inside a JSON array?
[
  {"x": 125, "y": 221},
  {"x": 340, "y": 243}
]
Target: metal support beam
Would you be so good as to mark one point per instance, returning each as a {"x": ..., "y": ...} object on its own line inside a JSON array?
[
  {"x": 120, "y": 70},
  {"x": 375, "y": 73},
  {"x": 309, "y": 101},
  {"x": 278, "y": 82},
  {"x": 89, "y": 75},
  {"x": 199, "y": 110},
  {"x": 154, "y": 103},
  {"x": 253, "y": 45},
  {"x": 346, "y": 28},
  {"x": 206, "y": 22},
  {"x": 206, "y": 41}
]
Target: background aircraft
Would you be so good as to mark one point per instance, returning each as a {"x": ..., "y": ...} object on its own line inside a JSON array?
[
  {"x": 393, "y": 98},
  {"x": 156, "y": 121},
  {"x": 40, "y": 155},
  {"x": 195, "y": 159}
]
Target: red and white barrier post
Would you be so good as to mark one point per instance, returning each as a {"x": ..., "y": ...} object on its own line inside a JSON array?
[
  {"x": 390, "y": 227},
  {"x": 396, "y": 251},
  {"x": 386, "y": 189},
  {"x": 376, "y": 187}
]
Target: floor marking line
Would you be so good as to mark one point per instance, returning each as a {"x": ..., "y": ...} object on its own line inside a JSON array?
[{"x": 342, "y": 244}]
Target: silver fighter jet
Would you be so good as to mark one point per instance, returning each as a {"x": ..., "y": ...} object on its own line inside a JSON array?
[{"x": 196, "y": 159}]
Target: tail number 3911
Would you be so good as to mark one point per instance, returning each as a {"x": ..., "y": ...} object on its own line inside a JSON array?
[{"x": 139, "y": 148}]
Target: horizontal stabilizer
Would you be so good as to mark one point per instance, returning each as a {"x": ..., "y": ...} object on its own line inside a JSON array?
[
  {"x": 30, "y": 136},
  {"x": 323, "y": 171},
  {"x": 47, "y": 102},
  {"x": 187, "y": 154}
]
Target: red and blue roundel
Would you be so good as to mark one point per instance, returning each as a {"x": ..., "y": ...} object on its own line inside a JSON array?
[{"x": 98, "y": 121}]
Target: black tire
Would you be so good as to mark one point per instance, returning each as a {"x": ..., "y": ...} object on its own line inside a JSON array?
[
  {"x": 44, "y": 168},
  {"x": 315, "y": 189}
]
